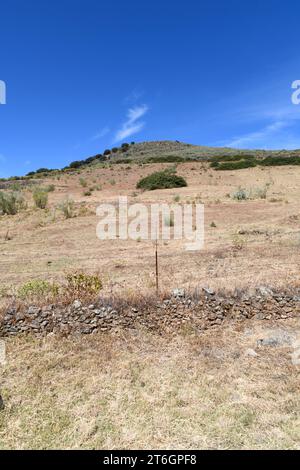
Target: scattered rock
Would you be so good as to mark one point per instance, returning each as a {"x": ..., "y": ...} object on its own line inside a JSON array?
[
  {"x": 33, "y": 310},
  {"x": 77, "y": 304},
  {"x": 265, "y": 291},
  {"x": 251, "y": 353},
  {"x": 208, "y": 291},
  {"x": 178, "y": 293}
]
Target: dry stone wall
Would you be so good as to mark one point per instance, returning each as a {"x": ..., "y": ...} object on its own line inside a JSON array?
[{"x": 204, "y": 310}]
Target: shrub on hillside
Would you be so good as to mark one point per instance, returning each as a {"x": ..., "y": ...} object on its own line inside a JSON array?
[
  {"x": 83, "y": 182},
  {"x": 50, "y": 188},
  {"x": 166, "y": 159},
  {"x": 161, "y": 180},
  {"x": 11, "y": 203},
  {"x": 238, "y": 165},
  {"x": 67, "y": 208},
  {"x": 40, "y": 197},
  {"x": 280, "y": 161},
  {"x": 241, "y": 194}
]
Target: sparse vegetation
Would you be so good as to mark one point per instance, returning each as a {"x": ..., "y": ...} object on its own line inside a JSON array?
[
  {"x": 241, "y": 194},
  {"x": 38, "y": 289},
  {"x": 40, "y": 197},
  {"x": 67, "y": 207},
  {"x": 81, "y": 285},
  {"x": 83, "y": 182},
  {"x": 11, "y": 202}
]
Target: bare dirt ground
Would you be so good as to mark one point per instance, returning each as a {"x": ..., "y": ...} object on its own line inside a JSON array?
[
  {"x": 247, "y": 243},
  {"x": 218, "y": 389}
]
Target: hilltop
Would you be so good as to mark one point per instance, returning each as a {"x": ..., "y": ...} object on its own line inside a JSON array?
[{"x": 168, "y": 151}]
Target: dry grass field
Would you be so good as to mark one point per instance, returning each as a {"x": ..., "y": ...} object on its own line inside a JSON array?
[
  {"x": 247, "y": 243},
  {"x": 141, "y": 390}
]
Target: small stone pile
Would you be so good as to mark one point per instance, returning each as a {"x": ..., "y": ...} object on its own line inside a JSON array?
[{"x": 199, "y": 311}]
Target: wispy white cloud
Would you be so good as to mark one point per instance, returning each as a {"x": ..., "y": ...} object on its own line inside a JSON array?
[
  {"x": 258, "y": 137},
  {"x": 131, "y": 125},
  {"x": 133, "y": 96},
  {"x": 103, "y": 132}
]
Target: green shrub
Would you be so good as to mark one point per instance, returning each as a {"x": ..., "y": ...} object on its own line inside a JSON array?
[
  {"x": 80, "y": 285},
  {"x": 83, "y": 182},
  {"x": 259, "y": 193},
  {"x": 50, "y": 188},
  {"x": 238, "y": 165},
  {"x": 38, "y": 288},
  {"x": 232, "y": 158},
  {"x": 11, "y": 203},
  {"x": 280, "y": 161},
  {"x": 166, "y": 159},
  {"x": 40, "y": 197},
  {"x": 241, "y": 195},
  {"x": 87, "y": 193},
  {"x": 161, "y": 180},
  {"x": 67, "y": 208}
]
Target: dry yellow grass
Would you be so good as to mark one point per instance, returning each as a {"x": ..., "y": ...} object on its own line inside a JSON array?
[{"x": 143, "y": 391}]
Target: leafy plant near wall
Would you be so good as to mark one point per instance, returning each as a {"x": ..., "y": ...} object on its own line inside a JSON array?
[
  {"x": 38, "y": 288},
  {"x": 80, "y": 285}
]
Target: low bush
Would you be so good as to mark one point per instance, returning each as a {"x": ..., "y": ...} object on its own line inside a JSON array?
[
  {"x": 161, "y": 180},
  {"x": 81, "y": 285},
  {"x": 280, "y": 161},
  {"x": 83, "y": 182},
  {"x": 38, "y": 288},
  {"x": 240, "y": 195},
  {"x": 40, "y": 197},
  {"x": 11, "y": 203},
  {"x": 67, "y": 208},
  {"x": 50, "y": 188},
  {"x": 165, "y": 159},
  {"x": 237, "y": 165}
]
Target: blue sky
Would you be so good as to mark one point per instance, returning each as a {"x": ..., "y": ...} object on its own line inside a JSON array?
[{"x": 85, "y": 75}]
